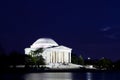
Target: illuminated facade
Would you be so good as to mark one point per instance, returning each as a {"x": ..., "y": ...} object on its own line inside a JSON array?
[{"x": 52, "y": 52}]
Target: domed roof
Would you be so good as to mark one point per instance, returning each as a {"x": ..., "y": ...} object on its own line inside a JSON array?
[{"x": 44, "y": 43}]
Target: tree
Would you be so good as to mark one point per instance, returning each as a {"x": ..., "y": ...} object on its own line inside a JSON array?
[
  {"x": 77, "y": 60},
  {"x": 80, "y": 60},
  {"x": 4, "y": 61},
  {"x": 31, "y": 53},
  {"x": 117, "y": 65},
  {"x": 36, "y": 58},
  {"x": 38, "y": 51},
  {"x": 29, "y": 60},
  {"x": 104, "y": 63},
  {"x": 16, "y": 58},
  {"x": 40, "y": 61},
  {"x": 74, "y": 58}
]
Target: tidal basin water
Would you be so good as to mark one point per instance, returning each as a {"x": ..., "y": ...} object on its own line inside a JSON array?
[{"x": 62, "y": 76}]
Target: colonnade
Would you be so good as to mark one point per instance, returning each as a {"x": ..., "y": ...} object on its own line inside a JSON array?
[{"x": 60, "y": 57}]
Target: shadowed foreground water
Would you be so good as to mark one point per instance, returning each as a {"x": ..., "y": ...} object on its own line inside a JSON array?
[{"x": 62, "y": 76}]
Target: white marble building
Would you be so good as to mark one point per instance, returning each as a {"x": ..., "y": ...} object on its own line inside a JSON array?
[{"x": 52, "y": 52}]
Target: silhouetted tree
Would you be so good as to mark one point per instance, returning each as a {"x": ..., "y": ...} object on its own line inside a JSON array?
[
  {"x": 74, "y": 58},
  {"x": 29, "y": 60},
  {"x": 16, "y": 58},
  {"x": 80, "y": 60},
  {"x": 116, "y": 65},
  {"x": 4, "y": 61},
  {"x": 36, "y": 52},
  {"x": 105, "y": 63},
  {"x": 40, "y": 60},
  {"x": 35, "y": 58}
]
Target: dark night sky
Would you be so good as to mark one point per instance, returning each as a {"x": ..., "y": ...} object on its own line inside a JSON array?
[{"x": 91, "y": 28}]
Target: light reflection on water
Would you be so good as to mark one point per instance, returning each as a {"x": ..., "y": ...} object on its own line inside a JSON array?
[
  {"x": 48, "y": 76},
  {"x": 62, "y": 76},
  {"x": 89, "y": 76}
]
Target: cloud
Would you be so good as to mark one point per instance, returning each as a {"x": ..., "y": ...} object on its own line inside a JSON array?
[
  {"x": 108, "y": 32},
  {"x": 105, "y": 29}
]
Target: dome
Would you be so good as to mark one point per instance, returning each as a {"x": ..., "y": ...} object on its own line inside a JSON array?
[{"x": 44, "y": 43}]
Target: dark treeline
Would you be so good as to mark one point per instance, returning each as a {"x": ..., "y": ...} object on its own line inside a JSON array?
[
  {"x": 15, "y": 58},
  {"x": 101, "y": 64}
]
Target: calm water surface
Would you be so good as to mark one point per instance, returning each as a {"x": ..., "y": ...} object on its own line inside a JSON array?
[{"x": 62, "y": 76}]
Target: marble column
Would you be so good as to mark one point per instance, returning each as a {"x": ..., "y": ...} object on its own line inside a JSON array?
[
  {"x": 55, "y": 57},
  {"x": 58, "y": 57},
  {"x": 50, "y": 57},
  {"x": 63, "y": 57},
  {"x": 70, "y": 57}
]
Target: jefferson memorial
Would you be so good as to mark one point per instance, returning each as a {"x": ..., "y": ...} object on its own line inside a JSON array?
[{"x": 52, "y": 52}]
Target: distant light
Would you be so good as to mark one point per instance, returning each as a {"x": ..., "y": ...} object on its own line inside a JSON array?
[{"x": 89, "y": 58}]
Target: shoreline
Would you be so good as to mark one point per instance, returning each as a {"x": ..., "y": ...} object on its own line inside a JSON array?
[{"x": 36, "y": 70}]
